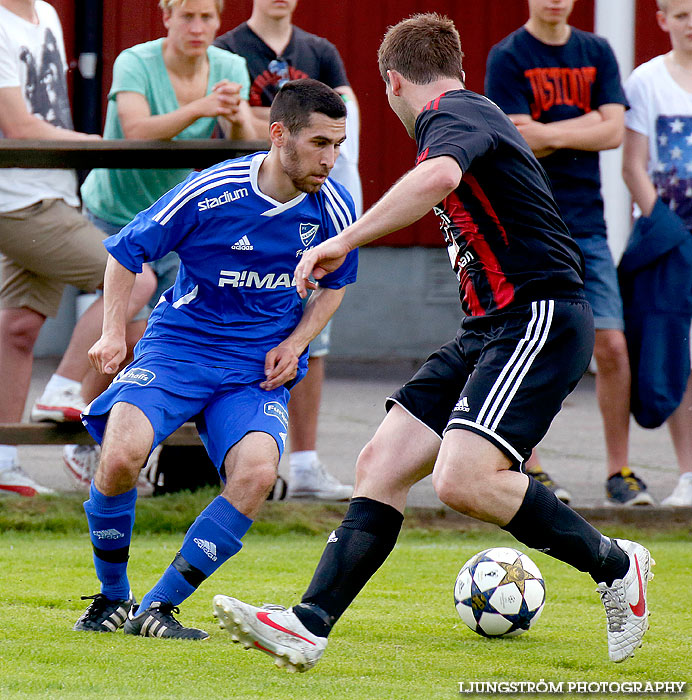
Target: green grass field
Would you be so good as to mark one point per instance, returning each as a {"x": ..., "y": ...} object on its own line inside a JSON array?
[{"x": 401, "y": 638}]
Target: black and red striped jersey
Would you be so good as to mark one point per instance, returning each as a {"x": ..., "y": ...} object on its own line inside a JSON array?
[{"x": 506, "y": 240}]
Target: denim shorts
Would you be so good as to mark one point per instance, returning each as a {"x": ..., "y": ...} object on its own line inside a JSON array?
[
  {"x": 601, "y": 283},
  {"x": 165, "y": 269}
]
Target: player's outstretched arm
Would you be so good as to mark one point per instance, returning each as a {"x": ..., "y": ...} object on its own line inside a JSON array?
[
  {"x": 413, "y": 196},
  {"x": 281, "y": 362},
  {"x": 110, "y": 349}
]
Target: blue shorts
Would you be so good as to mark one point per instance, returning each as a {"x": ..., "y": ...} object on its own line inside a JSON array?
[
  {"x": 601, "y": 282},
  {"x": 226, "y": 404}
]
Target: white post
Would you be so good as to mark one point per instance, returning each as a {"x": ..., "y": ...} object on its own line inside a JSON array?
[{"x": 614, "y": 20}]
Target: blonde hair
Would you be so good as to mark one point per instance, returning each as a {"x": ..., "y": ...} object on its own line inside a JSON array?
[
  {"x": 170, "y": 4},
  {"x": 662, "y": 5}
]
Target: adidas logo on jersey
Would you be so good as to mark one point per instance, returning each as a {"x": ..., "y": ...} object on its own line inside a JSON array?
[
  {"x": 243, "y": 244},
  {"x": 332, "y": 537},
  {"x": 110, "y": 534},
  {"x": 209, "y": 548}
]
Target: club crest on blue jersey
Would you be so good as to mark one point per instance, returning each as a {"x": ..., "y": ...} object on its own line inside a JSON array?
[
  {"x": 136, "y": 375},
  {"x": 274, "y": 408},
  {"x": 308, "y": 233}
]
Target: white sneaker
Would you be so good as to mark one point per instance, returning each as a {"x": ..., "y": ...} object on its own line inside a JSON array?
[
  {"x": 61, "y": 406},
  {"x": 271, "y": 629},
  {"x": 625, "y": 603},
  {"x": 682, "y": 493},
  {"x": 317, "y": 482},
  {"x": 82, "y": 461},
  {"x": 16, "y": 480}
]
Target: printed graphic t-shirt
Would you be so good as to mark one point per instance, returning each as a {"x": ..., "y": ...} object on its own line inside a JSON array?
[
  {"x": 32, "y": 57},
  {"x": 552, "y": 83},
  {"x": 661, "y": 110},
  {"x": 306, "y": 56}
]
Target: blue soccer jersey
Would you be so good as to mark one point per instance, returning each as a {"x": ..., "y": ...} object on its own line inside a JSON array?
[{"x": 234, "y": 298}]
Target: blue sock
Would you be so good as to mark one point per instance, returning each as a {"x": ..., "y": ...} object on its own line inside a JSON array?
[
  {"x": 212, "y": 539},
  {"x": 110, "y": 520}
]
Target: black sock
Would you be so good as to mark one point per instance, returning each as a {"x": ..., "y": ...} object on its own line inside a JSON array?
[
  {"x": 354, "y": 552},
  {"x": 547, "y": 524}
]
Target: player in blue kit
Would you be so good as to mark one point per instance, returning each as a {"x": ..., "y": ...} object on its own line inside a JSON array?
[
  {"x": 223, "y": 346},
  {"x": 474, "y": 411}
]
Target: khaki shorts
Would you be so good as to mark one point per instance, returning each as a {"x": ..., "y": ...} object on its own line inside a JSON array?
[{"x": 44, "y": 247}]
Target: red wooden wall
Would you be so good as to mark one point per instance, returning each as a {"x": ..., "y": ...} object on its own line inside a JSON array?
[
  {"x": 650, "y": 40},
  {"x": 356, "y": 28}
]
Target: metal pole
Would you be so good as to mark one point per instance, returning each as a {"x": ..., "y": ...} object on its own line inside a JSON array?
[{"x": 615, "y": 21}]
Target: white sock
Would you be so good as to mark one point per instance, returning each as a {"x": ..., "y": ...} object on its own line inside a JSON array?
[
  {"x": 302, "y": 461},
  {"x": 8, "y": 456},
  {"x": 56, "y": 382}
]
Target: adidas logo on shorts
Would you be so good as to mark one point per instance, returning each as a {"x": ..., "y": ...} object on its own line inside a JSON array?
[
  {"x": 209, "y": 548},
  {"x": 462, "y": 405}
]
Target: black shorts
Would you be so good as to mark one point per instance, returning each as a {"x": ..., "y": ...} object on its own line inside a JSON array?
[{"x": 504, "y": 376}]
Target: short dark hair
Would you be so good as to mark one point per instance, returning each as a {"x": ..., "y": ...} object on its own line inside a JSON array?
[
  {"x": 423, "y": 48},
  {"x": 298, "y": 99}
]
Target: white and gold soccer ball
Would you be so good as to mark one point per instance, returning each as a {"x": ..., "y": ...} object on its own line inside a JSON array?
[{"x": 499, "y": 592}]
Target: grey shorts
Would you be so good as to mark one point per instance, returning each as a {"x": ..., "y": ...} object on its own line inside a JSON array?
[{"x": 44, "y": 247}]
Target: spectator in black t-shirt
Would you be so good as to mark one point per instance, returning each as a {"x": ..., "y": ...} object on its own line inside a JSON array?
[
  {"x": 277, "y": 51},
  {"x": 561, "y": 87}
]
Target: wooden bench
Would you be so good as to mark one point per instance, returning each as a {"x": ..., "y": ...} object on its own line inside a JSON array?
[{"x": 76, "y": 434}]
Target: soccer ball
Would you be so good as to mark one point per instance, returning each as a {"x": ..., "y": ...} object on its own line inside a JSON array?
[{"x": 499, "y": 592}]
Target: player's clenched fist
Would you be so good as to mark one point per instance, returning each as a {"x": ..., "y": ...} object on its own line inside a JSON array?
[{"x": 106, "y": 354}]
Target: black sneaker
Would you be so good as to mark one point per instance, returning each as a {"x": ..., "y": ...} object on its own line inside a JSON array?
[
  {"x": 539, "y": 475},
  {"x": 627, "y": 489},
  {"x": 158, "y": 621},
  {"x": 103, "y": 615}
]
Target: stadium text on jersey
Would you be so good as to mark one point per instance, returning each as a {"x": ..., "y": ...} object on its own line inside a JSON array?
[{"x": 224, "y": 198}]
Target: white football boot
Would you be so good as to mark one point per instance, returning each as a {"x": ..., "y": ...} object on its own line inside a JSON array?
[
  {"x": 272, "y": 629},
  {"x": 625, "y": 604}
]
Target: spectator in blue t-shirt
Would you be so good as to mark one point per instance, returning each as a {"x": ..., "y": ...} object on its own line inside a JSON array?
[{"x": 561, "y": 87}]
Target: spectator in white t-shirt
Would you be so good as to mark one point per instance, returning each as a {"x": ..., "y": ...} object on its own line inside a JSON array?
[
  {"x": 657, "y": 163},
  {"x": 44, "y": 240}
]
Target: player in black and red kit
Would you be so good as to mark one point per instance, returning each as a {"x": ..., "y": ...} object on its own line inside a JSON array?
[{"x": 476, "y": 408}]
